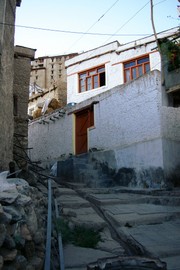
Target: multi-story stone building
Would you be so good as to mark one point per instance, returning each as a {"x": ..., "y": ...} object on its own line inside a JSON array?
[{"x": 48, "y": 80}]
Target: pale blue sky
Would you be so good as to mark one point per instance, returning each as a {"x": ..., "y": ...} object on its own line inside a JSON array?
[{"x": 127, "y": 17}]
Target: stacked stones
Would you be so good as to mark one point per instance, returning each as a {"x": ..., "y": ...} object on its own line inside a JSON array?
[{"x": 22, "y": 225}]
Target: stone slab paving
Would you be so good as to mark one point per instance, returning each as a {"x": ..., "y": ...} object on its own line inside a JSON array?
[
  {"x": 162, "y": 240},
  {"x": 110, "y": 198},
  {"x": 80, "y": 212},
  {"x": 79, "y": 257},
  {"x": 156, "y": 226}
]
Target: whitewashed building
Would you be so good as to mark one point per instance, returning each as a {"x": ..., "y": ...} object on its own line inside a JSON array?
[
  {"x": 110, "y": 65},
  {"x": 123, "y": 116}
]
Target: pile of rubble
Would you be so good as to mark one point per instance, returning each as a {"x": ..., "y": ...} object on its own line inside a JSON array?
[
  {"x": 46, "y": 107},
  {"x": 23, "y": 210}
]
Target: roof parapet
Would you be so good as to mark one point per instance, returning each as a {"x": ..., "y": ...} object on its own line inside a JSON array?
[{"x": 146, "y": 40}]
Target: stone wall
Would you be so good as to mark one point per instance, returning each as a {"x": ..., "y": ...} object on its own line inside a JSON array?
[
  {"x": 7, "y": 15},
  {"x": 22, "y": 68},
  {"x": 23, "y": 210}
]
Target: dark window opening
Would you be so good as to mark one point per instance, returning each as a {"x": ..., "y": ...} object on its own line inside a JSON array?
[{"x": 102, "y": 79}]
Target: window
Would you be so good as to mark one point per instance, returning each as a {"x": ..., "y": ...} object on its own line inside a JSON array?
[
  {"x": 136, "y": 68},
  {"x": 92, "y": 79}
]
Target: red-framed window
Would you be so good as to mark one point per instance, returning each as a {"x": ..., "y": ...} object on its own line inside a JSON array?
[
  {"x": 136, "y": 68},
  {"x": 91, "y": 79}
]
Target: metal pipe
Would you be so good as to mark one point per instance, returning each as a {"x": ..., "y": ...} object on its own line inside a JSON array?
[
  {"x": 48, "y": 234},
  {"x": 60, "y": 245}
]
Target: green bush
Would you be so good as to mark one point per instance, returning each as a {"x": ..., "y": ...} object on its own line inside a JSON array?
[{"x": 79, "y": 236}]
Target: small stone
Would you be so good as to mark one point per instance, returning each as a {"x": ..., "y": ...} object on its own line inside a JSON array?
[
  {"x": 38, "y": 238},
  {"x": 20, "y": 242},
  {"x": 11, "y": 228},
  {"x": 37, "y": 263},
  {"x": 16, "y": 215},
  {"x": 2, "y": 234},
  {"x": 1, "y": 262},
  {"x": 8, "y": 197},
  {"x": 29, "y": 249},
  {"x": 9, "y": 266},
  {"x": 9, "y": 242},
  {"x": 8, "y": 255},
  {"x": 30, "y": 267},
  {"x": 1, "y": 209},
  {"x": 18, "y": 182},
  {"x": 25, "y": 233},
  {"x": 23, "y": 200},
  {"x": 21, "y": 262},
  {"x": 40, "y": 254},
  {"x": 5, "y": 218},
  {"x": 31, "y": 220}
]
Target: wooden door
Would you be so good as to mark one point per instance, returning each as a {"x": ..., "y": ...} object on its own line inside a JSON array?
[{"x": 84, "y": 120}]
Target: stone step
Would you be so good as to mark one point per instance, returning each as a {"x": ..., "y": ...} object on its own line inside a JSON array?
[{"x": 132, "y": 215}]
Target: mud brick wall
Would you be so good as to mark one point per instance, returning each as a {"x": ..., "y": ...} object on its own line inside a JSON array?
[
  {"x": 7, "y": 16},
  {"x": 22, "y": 68}
]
